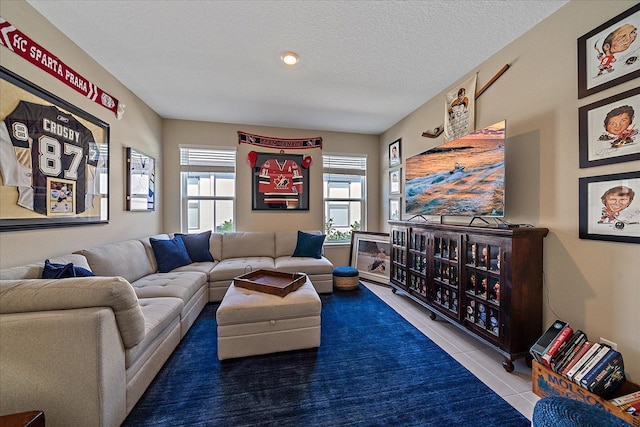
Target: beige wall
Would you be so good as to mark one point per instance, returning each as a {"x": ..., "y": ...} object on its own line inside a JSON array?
[
  {"x": 140, "y": 128},
  {"x": 592, "y": 284},
  {"x": 177, "y": 132}
]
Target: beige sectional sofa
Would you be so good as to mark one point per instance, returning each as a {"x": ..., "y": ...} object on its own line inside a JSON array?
[{"x": 85, "y": 349}]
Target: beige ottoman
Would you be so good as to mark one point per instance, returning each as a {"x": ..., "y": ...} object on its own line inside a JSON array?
[{"x": 252, "y": 322}]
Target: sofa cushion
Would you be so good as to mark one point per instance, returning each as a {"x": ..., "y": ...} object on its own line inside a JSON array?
[
  {"x": 252, "y": 243},
  {"x": 170, "y": 253},
  {"x": 197, "y": 246},
  {"x": 311, "y": 266},
  {"x": 126, "y": 259},
  {"x": 159, "y": 313},
  {"x": 228, "y": 269},
  {"x": 309, "y": 245},
  {"x": 63, "y": 271},
  {"x": 183, "y": 285}
]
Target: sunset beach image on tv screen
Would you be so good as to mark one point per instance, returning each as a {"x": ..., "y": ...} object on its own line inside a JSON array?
[{"x": 463, "y": 177}]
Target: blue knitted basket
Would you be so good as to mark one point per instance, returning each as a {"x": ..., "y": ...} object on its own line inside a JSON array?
[{"x": 555, "y": 411}]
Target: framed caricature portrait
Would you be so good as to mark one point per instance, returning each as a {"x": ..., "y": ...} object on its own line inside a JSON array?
[
  {"x": 610, "y": 207},
  {"x": 394, "y": 209},
  {"x": 610, "y": 54},
  {"x": 394, "y": 181},
  {"x": 55, "y": 168},
  {"x": 370, "y": 255},
  {"x": 608, "y": 130},
  {"x": 394, "y": 153}
]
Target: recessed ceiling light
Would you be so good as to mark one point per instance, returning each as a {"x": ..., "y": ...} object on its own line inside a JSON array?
[{"x": 290, "y": 58}]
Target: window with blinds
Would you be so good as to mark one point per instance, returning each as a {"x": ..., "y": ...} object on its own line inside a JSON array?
[
  {"x": 344, "y": 179},
  {"x": 208, "y": 181}
]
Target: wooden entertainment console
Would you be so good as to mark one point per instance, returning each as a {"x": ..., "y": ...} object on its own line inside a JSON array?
[{"x": 486, "y": 281}]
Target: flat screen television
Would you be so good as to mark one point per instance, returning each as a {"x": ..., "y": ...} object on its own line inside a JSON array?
[{"x": 463, "y": 177}]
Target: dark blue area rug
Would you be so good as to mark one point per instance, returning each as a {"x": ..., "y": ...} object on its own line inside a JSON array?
[{"x": 373, "y": 368}]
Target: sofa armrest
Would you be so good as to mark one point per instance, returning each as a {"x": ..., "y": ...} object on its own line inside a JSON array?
[
  {"x": 68, "y": 363},
  {"x": 34, "y": 295}
]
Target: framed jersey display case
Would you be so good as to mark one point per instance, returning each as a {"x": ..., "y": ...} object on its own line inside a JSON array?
[
  {"x": 54, "y": 160},
  {"x": 280, "y": 182},
  {"x": 141, "y": 181}
]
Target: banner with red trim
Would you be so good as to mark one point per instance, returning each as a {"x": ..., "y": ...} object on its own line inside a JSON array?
[
  {"x": 17, "y": 42},
  {"x": 291, "y": 143}
]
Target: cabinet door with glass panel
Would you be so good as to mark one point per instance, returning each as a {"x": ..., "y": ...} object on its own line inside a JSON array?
[
  {"x": 445, "y": 294},
  {"x": 484, "y": 286},
  {"x": 399, "y": 257},
  {"x": 419, "y": 240}
]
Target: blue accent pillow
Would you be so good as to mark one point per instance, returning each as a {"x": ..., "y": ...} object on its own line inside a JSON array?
[
  {"x": 309, "y": 245},
  {"x": 169, "y": 254},
  {"x": 63, "y": 271},
  {"x": 197, "y": 246}
]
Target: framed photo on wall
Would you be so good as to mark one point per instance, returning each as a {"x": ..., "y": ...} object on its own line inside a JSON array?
[
  {"x": 54, "y": 164},
  {"x": 141, "y": 181},
  {"x": 280, "y": 183},
  {"x": 608, "y": 131},
  {"x": 610, "y": 54},
  {"x": 370, "y": 255},
  {"x": 610, "y": 207},
  {"x": 394, "y": 209},
  {"x": 395, "y": 178},
  {"x": 394, "y": 153}
]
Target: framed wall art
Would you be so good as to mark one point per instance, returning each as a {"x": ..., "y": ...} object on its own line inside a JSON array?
[
  {"x": 141, "y": 181},
  {"x": 610, "y": 54},
  {"x": 280, "y": 183},
  {"x": 608, "y": 132},
  {"x": 394, "y": 209},
  {"x": 395, "y": 177},
  {"x": 370, "y": 255},
  {"x": 54, "y": 161},
  {"x": 610, "y": 207},
  {"x": 394, "y": 153}
]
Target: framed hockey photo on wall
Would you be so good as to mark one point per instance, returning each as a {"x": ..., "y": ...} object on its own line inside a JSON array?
[
  {"x": 610, "y": 207},
  {"x": 370, "y": 255},
  {"x": 394, "y": 209},
  {"x": 141, "y": 181},
  {"x": 54, "y": 160},
  {"x": 608, "y": 131},
  {"x": 280, "y": 183},
  {"x": 394, "y": 153},
  {"x": 610, "y": 54}
]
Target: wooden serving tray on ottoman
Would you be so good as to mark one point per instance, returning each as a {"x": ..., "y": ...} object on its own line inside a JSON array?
[{"x": 271, "y": 282}]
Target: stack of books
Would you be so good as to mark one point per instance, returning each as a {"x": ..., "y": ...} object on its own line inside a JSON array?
[
  {"x": 594, "y": 366},
  {"x": 629, "y": 403}
]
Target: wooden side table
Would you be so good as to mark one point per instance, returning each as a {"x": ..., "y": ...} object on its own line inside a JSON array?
[{"x": 23, "y": 419}]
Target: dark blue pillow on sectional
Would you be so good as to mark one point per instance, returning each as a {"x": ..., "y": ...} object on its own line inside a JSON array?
[
  {"x": 63, "y": 271},
  {"x": 197, "y": 246},
  {"x": 169, "y": 254},
  {"x": 309, "y": 245}
]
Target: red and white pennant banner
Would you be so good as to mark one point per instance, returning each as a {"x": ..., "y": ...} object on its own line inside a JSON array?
[{"x": 17, "y": 42}]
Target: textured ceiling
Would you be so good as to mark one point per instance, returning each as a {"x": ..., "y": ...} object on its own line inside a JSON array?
[{"x": 364, "y": 64}]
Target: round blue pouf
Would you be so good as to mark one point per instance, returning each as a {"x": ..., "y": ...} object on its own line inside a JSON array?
[
  {"x": 555, "y": 411},
  {"x": 346, "y": 278}
]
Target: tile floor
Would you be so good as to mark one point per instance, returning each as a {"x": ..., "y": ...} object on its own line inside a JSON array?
[{"x": 484, "y": 362}]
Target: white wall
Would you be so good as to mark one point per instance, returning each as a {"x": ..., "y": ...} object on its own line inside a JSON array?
[{"x": 592, "y": 284}]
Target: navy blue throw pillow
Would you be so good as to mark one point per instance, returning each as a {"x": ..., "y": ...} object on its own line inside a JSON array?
[
  {"x": 309, "y": 245},
  {"x": 63, "y": 271},
  {"x": 169, "y": 254},
  {"x": 197, "y": 246}
]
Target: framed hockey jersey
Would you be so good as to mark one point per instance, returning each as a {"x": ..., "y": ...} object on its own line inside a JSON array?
[
  {"x": 280, "y": 182},
  {"x": 54, "y": 160}
]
